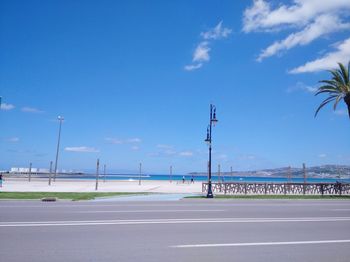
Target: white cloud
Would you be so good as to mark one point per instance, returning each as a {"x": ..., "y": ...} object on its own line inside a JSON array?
[
  {"x": 261, "y": 17},
  {"x": 217, "y": 32},
  {"x": 328, "y": 61},
  {"x": 311, "y": 18},
  {"x": 201, "y": 53},
  {"x": 7, "y": 107},
  {"x": 13, "y": 139},
  {"x": 322, "y": 25},
  {"x": 186, "y": 153},
  {"x": 322, "y": 155},
  {"x": 31, "y": 110},
  {"x": 82, "y": 149},
  {"x": 193, "y": 67},
  {"x": 300, "y": 86}
]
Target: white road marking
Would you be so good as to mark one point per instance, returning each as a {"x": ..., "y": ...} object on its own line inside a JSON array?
[
  {"x": 171, "y": 221},
  {"x": 340, "y": 209},
  {"x": 265, "y": 243},
  {"x": 150, "y": 211},
  {"x": 282, "y": 204}
]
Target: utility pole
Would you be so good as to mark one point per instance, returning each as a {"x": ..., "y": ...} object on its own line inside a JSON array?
[
  {"x": 231, "y": 174},
  {"x": 50, "y": 173},
  {"x": 140, "y": 170},
  {"x": 219, "y": 174},
  {"x": 60, "y": 118},
  {"x": 30, "y": 172},
  {"x": 304, "y": 172},
  {"x": 97, "y": 173},
  {"x": 104, "y": 173}
]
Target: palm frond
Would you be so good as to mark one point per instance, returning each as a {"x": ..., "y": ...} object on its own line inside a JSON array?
[
  {"x": 331, "y": 91},
  {"x": 325, "y": 102},
  {"x": 339, "y": 97},
  {"x": 344, "y": 73}
]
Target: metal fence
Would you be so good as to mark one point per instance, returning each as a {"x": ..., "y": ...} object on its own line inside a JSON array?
[{"x": 250, "y": 188}]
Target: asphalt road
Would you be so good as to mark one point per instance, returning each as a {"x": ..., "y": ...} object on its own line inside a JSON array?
[{"x": 186, "y": 230}]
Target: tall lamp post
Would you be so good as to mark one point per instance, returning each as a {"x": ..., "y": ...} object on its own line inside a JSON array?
[
  {"x": 212, "y": 123},
  {"x": 60, "y": 118}
]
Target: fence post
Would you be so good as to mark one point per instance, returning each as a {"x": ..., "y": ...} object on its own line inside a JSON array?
[
  {"x": 30, "y": 172},
  {"x": 97, "y": 173}
]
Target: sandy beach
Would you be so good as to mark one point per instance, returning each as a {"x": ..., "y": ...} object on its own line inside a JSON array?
[{"x": 68, "y": 185}]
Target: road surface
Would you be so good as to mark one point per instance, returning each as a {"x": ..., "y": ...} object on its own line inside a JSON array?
[{"x": 186, "y": 230}]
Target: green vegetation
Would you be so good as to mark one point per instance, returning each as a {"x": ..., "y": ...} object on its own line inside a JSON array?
[
  {"x": 60, "y": 195},
  {"x": 337, "y": 88},
  {"x": 335, "y": 197}
]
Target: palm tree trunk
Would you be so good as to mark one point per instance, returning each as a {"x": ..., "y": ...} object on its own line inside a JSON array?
[{"x": 347, "y": 101}]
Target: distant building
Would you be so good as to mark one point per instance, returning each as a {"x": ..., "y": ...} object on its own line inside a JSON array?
[{"x": 25, "y": 170}]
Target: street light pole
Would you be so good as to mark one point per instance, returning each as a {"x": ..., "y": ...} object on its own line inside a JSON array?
[
  {"x": 212, "y": 122},
  {"x": 60, "y": 118},
  {"x": 140, "y": 171}
]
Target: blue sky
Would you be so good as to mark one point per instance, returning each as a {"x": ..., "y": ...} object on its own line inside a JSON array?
[{"x": 134, "y": 80}]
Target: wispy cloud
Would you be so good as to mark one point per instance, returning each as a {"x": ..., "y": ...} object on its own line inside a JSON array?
[
  {"x": 133, "y": 140},
  {"x": 322, "y": 155},
  {"x": 341, "y": 112},
  {"x": 311, "y": 19},
  {"x": 117, "y": 141},
  {"x": 300, "y": 86},
  {"x": 7, "y": 107},
  {"x": 31, "y": 110},
  {"x": 201, "y": 53},
  {"x": 163, "y": 146},
  {"x": 328, "y": 61},
  {"x": 12, "y": 139},
  {"x": 323, "y": 25},
  {"x": 186, "y": 153},
  {"x": 82, "y": 149},
  {"x": 217, "y": 32},
  {"x": 135, "y": 148}
]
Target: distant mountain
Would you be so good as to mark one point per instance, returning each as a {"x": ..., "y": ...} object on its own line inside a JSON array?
[{"x": 325, "y": 171}]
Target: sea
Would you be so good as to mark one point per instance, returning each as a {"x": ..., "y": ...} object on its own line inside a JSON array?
[{"x": 202, "y": 178}]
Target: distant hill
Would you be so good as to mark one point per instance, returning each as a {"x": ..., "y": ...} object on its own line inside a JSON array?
[{"x": 325, "y": 171}]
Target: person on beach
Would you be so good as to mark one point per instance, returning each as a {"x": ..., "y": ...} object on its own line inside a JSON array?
[
  {"x": 192, "y": 179},
  {"x": 0, "y": 180},
  {"x": 183, "y": 179}
]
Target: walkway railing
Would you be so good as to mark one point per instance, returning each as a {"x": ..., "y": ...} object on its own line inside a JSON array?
[{"x": 248, "y": 188}]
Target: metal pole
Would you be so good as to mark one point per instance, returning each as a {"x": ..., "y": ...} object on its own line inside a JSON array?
[
  {"x": 210, "y": 192},
  {"x": 104, "y": 173},
  {"x": 231, "y": 174},
  {"x": 219, "y": 174},
  {"x": 58, "y": 146},
  {"x": 50, "y": 173},
  {"x": 97, "y": 173},
  {"x": 171, "y": 174},
  {"x": 140, "y": 170},
  {"x": 30, "y": 172}
]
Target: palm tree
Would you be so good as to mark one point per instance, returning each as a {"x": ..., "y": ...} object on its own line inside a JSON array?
[{"x": 337, "y": 88}]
